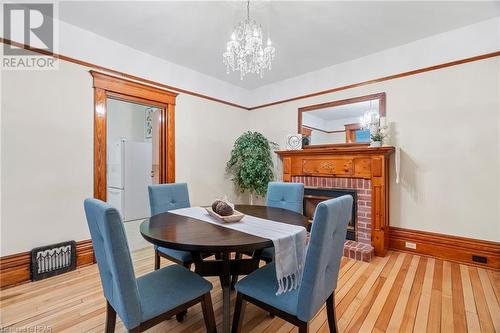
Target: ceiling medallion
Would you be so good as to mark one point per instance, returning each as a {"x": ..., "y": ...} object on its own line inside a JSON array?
[{"x": 245, "y": 52}]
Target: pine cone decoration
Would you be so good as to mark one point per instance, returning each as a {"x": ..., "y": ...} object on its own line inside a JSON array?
[
  {"x": 214, "y": 205},
  {"x": 223, "y": 209}
]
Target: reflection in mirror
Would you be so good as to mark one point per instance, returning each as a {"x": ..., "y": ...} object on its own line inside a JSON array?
[{"x": 341, "y": 122}]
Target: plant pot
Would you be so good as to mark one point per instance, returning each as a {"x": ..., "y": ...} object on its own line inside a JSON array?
[{"x": 375, "y": 144}]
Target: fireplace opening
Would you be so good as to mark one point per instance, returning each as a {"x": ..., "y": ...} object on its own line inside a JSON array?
[{"x": 313, "y": 196}]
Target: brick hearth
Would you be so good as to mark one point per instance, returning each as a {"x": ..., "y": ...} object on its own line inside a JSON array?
[{"x": 361, "y": 249}]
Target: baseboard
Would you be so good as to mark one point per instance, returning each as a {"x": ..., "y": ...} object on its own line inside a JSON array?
[
  {"x": 15, "y": 268},
  {"x": 452, "y": 248},
  {"x": 84, "y": 253}
]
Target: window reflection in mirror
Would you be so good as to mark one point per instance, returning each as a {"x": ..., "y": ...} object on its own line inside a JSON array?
[{"x": 340, "y": 122}]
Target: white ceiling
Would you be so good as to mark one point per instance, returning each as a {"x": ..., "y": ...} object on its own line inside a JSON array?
[{"x": 308, "y": 35}]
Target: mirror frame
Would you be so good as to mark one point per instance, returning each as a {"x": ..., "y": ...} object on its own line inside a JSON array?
[{"x": 382, "y": 106}]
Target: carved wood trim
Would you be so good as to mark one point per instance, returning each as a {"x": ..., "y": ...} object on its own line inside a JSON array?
[
  {"x": 109, "y": 86},
  {"x": 452, "y": 248},
  {"x": 118, "y": 73},
  {"x": 169, "y": 124},
  {"x": 131, "y": 88},
  {"x": 100, "y": 143},
  {"x": 15, "y": 268},
  {"x": 382, "y": 79},
  {"x": 349, "y": 162},
  {"x": 348, "y": 149},
  {"x": 328, "y": 91}
]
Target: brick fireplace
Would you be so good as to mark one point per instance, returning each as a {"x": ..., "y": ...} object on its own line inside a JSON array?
[
  {"x": 353, "y": 167},
  {"x": 314, "y": 195},
  {"x": 358, "y": 247}
]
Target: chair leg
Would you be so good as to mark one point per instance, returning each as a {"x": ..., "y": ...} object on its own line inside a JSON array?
[
  {"x": 330, "y": 310},
  {"x": 303, "y": 328},
  {"x": 157, "y": 260},
  {"x": 208, "y": 313},
  {"x": 180, "y": 316},
  {"x": 239, "y": 311},
  {"x": 110, "y": 318}
]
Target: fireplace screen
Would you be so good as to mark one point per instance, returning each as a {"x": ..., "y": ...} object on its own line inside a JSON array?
[{"x": 313, "y": 196}]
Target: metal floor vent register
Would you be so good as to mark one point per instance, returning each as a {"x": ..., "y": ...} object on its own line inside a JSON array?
[{"x": 47, "y": 261}]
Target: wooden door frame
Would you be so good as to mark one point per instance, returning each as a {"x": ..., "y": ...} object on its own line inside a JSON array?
[{"x": 107, "y": 86}]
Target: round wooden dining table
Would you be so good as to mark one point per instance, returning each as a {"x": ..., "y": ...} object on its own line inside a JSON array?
[{"x": 200, "y": 238}]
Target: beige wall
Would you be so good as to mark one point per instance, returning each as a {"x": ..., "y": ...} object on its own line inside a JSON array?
[
  {"x": 205, "y": 134},
  {"x": 47, "y": 147},
  {"x": 447, "y": 125}
]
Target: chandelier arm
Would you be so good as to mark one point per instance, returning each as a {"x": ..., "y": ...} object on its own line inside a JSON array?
[{"x": 248, "y": 10}]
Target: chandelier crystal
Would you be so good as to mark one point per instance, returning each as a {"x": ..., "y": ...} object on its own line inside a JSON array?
[{"x": 245, "y": 52}]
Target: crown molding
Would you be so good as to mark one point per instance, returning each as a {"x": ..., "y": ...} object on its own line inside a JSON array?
[
  {"x": 118, "y": 73},
  {"x": 382, "y": 79},
  {"x": 192, "y": 93}
]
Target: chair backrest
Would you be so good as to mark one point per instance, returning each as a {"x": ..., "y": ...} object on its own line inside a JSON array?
[
  {"x": 285, "y": 195},
  {"x": 113, "y": 259},
  {"x": 165, "y": 197},
  {"x": 322, "y": 262}
]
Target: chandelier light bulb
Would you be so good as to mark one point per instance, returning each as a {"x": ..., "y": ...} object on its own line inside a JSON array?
[{"x": 269, "y": 41}]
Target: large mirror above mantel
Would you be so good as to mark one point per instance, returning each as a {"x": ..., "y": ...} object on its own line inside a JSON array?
[{"x": 341, "y": 122}]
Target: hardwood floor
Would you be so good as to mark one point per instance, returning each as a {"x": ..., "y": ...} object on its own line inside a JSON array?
[{"x": 398, "y": 293}]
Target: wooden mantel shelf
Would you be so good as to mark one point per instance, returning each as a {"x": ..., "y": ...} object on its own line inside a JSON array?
[
  {"x": 352, "y": 161},
  {"x": 364, "y": 150}
]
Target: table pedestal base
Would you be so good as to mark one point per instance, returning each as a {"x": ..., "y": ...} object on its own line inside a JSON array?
[{"x": 224, "y": 267}]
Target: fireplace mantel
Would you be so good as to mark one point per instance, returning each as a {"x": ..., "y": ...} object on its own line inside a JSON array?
[{"x": 349, "y": 162}]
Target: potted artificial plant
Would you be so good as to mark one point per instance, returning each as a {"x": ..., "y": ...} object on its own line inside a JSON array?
[
  {"x": 251, "y": 164},
  {"x": 377, "y": 137}
]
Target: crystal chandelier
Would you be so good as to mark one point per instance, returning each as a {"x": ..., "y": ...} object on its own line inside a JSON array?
[
  {"x": 369, "y": 118},
  {"x": 244, "y": 52}
]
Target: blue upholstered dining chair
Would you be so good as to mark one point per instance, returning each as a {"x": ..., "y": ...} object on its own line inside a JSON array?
[
  {"x": 283, "y": 195},
  {"x": 319, "y": 278},
  {"x": 162, "y": 198},
  {"x": 146, "y": 301}
]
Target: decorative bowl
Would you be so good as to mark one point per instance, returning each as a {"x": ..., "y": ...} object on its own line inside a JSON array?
[{"x": 235, "y": 217}]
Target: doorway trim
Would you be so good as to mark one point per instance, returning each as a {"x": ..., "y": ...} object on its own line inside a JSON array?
[{"x": 114, "y": 87}]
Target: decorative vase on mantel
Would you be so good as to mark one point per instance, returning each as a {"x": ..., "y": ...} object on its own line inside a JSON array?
[{"x": 375, "y": 144}]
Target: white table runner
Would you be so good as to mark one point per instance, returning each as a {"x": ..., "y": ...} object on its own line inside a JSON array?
[{"x": 289, "y": 242}]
